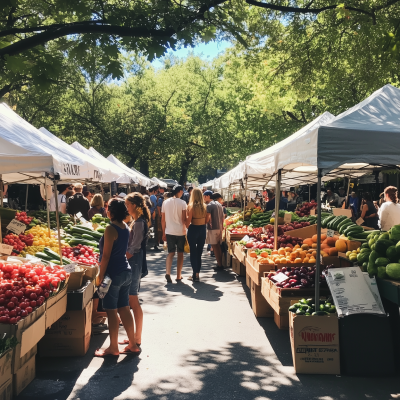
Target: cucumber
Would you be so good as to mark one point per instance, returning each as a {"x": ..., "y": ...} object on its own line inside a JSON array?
[
  {"x": 345, "y": 222},
  {"x": 338, "y": 221},
  {"x": 76, "y": 241},
  {"x": 344, "y": 226},
  {"x": 354, "y": 228},
  {"x": 58, "y": 262},
  {"x": 324, "y": 223},
  {"x": 50, "y": 253},
  {"x": 43, "y": 256},
  {"x": 80, "y": 231},
  {"x": 89, "y": 237},
  {"x": 101, "y": 230}
]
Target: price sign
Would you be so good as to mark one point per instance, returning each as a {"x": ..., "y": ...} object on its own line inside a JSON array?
[
  {"x": 279, "y": 278},
  {"x": 245, "y": 239},
  {"x": 79, "y": 215},
  {"x": 69, "y": 268},
  {"x": 5, "y": 249},
  {"x": 287, "y": 219},
  {"x": 359, "y": 221},
  {"x": 330, "y": 233},
  {"x": 33, "y": 259},
  {"x": 312, "y": 212},
  {"x": 16, "y": 227}
]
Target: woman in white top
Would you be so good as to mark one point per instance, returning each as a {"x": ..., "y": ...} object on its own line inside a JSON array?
[{"x": 389, "y": 213}]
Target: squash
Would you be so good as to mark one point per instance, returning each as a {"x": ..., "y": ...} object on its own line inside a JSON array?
[
  {"x": 314, "y": 239},
  {"x": 325, "y": 246},
  {"x": 331, "y": 241},
  {"x": 323, "y": 236},
  {"x": 341, "y": 245},
  {"x": 333, "y": 251}
]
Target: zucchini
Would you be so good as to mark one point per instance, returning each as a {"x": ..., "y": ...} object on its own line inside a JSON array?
[
  {"x": 43, "y": 256},
  {"x": 50, "y": 253},
  {"x": 58, "y": 262},
  {"x": 84, "y": 228},
  {"x": 326, "y": 220},
  {"x": 89, "y": 237},
  {"x": 344, "y": 222},
  {"x": 80, "y": 231},
  {"x": 354, "y": 228},
  {"x": 338, "y": 221},
  {"x": 101, "y": 230},
  {"x": 344, "y": 226},
  {"x": 76, "y": 241}
]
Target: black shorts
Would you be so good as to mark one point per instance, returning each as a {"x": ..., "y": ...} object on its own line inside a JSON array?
[{"x": 174, "y": 242}]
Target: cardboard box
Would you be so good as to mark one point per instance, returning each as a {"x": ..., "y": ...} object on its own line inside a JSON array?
[
  {"x": 248, "y": 280},
  {"x": 303, "y": 233},
  {"x": 78, "y": 299},
  {"x": 91, "y": 272},
  {"x": 281, "y": 321},
  {"x": 239, "y": 253},
  {"x": 336, "y": 261},
  {"x": 76, "y": 280},
  {"x": 340, "y": 211},
  {"x": 353, "y": 245},
  {"x": 6, "y": 390},
  {"x": 24, "y": 376},
  {"x": 6, "y": 361},
  {"x": 56, "y": 306},
  {"x": 256, "y": 270},
  {"x": 232, "y": 237},
  {"x": 28, "y": 331},
  {"x": 69, "y": 336},
  {"x": 259, "y": 304},
  {"x": 238, "y": 267},
  {"x": 315, "y": 344}
]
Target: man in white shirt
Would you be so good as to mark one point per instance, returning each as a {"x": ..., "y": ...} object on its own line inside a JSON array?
[
  {"x": 173, "y": 221},
  {"x": 62, "y": 200}
]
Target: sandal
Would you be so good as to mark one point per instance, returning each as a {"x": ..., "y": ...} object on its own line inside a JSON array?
[{"x": 168, "y": 278}]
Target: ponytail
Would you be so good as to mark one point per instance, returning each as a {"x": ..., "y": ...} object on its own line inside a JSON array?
[
  {"x": 391, "y": 191},
  {"x": 138, "y": 199}
]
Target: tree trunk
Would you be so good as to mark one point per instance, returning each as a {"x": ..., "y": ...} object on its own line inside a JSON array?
[
  {"x": 185, "y": 168},
  {"x": 144, "y": 167},
  {"x": 132, "y": 161}
]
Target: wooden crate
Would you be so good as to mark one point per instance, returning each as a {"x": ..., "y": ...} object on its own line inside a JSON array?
[
  {"x": 238, "y": 267},
  {"x": 281, "y": 321},
  {"x": 233, "y": 237},
  {"x": 239, "y": 253},
  {"x": 256, "y": 270},
  {"x": 259, "y": 304}
]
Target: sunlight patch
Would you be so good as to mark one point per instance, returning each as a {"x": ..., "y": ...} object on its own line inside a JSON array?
[{"x": 250, "y": 385}]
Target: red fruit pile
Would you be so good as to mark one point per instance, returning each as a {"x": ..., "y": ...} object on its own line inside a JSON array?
[
  {"x": 22, "y": 217},
  {"x": 287, "y": 227},
  {"x": 296, "y": 277},
  {"x": 18, "y": 242},
  {"x": 306, "y": 207},
  {"x": 23, "y": 287},
  {"x": 81, "y": 254}
]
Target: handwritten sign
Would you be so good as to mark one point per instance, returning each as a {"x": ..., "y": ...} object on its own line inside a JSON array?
[
  {"x": 16, "y": 227},
  {"x": 287, "y": 219},
  {"x": 312, "y": 212},
  {"x": 279, "y": 278},
  {"x": 69, "y": 267},
  {"x": 330, "y": 233},
  {"x": 5, "y": 249},
  {"x": 79, "y": 215},
  {"x": 359, "y": 221}
]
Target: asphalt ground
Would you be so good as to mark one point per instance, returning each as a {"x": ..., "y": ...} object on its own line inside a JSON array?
[{"x": 200, "y": 341}]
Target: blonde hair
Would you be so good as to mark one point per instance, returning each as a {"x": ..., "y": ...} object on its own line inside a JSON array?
[
  {"x": 78, "y": 187},
  {"x": 97, "y": 200},
  {"x": 196, "y": 200}
]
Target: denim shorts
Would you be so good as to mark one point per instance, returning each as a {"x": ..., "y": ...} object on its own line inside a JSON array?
[
  {"x": 174, "y": 242},
  {"x": 136, "y": 262},
  {"x": 118, "y": 293}
]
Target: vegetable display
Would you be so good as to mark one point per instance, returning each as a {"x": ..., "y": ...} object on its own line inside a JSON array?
[
  {"x": 19, "y": 242},
  {"x": 81, "y": 254},
  {"x": 296, "y": 277},
  {"x": 306, "y": 208},
  {"x": 23, "y": 217},
  {"x": 24, "y": 287},
  {"x": 307, "y": 307}
]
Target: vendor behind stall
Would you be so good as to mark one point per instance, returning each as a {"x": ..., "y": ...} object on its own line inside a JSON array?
[
  {"x": 331, "y": 198},
  {"x": 270, "y": 205},
  {"x": 389, "y": 212},
  {"x": 368, "y": 212}
]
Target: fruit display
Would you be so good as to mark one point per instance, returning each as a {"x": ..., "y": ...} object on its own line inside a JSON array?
[
  {"x": 266, "y": 240},
  {"x": 379, "y": 254},
  {"x": 284, "y": 255},
  {"x": 99, "y": 219},
  {"x": 287, "y": 227},
  {"x": 40, "y": 218},
  {"x": 81, "y": 254},
  {"x": 41, "y": 238},
  {"x": 19, "y": 242},
  {"x": 296, "y": 277},
  {"x": 25, "y": 286},
  {"x": 23, "y": 217},
  {"x": 307, "y": 307},
  {"x": 305, "y": 208}
]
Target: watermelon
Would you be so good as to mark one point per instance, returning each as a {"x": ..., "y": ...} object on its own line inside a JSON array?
[
  {"x": 391, "y": 254},
  {"x": 382, "y": 262},
  {"x": 393, "y": 271},
  {"x": 382, "y": 272},
  {"x": 381, "y": 245},
  {"x": 372, "y": 269},
  {"x": 384, "y": 236}
]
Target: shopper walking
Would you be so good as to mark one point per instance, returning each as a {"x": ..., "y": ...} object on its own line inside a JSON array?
[
  {"x": 173, "y": 221},
  {"x": 214, "y": 226},
  {"x": 197, "y": 218},
  {"x": 78, "y": 203},
  {"x": 97, "y": 206},
  {"x": 113, "y": 262},
  {"x": 136, "y": 255},
  {"x": 389, "y": 212}
]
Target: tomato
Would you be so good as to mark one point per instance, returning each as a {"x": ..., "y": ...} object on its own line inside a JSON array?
[
  {"x": 13, "y": 313},
  {"x": 10, "y": 305},
  {"x": 33, "y": 296},
  {"x": 32, "y": 304},
  {"x": 13, "y": 320},
  {"x": 9, "y": 294}
]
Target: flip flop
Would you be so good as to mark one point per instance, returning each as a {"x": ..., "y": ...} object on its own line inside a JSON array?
[
  {"x": 168, "y": 278},
  {"x": 178, "y": 280},
  {"x": 126, "y": 341},
  {"x": 127, "y": 351},
  {"x": 106, "y": 355}
]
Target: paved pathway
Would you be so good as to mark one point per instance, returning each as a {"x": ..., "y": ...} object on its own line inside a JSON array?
[{"x": 200, "y": 341}]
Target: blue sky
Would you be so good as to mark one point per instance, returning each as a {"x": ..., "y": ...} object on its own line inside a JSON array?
[{"x": 205, "y": 50}]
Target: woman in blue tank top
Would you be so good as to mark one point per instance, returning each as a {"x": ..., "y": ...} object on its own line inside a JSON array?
[{"x": 113, "y": 262}]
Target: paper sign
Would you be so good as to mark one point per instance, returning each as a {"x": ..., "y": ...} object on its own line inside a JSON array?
[
  {"x": 330, "y": 233},
  {"x": 359, "y": 221},
  {"x": 279, "y": 278},
  {"x": 16, "y": 227},
  {"x": 245, "y": 239},
  {"x": 341, "y": 211},
  {"x": 312, "y": 212},
  {"x": 79, "y": 215},
  {"x": 6, "y": 249},
  {"x": 69, "y": 267},
  {"x": 287, "y": 219}
]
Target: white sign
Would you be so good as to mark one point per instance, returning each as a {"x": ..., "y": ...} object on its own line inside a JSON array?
[
  {"x": 84, "y": 222},
  {"x": 16, "y": 227},
  {"x": 79, "y": 215},
  {"x": 6, "y": 249},
  {"x": 69, "y": 267},
  {"x": 287, "y": 219},
  {"x": 279, "y": 278},
  {"x": 245, "y": 239},
  {"x": 330, "y": 233},
  {"x": 33, "y": 259},
  {"x": 359, "y": 221}
]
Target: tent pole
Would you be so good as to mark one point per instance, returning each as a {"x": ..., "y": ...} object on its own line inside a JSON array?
[
  {"x": 47, "y": 204},
  {"x": 277, "y": 201},
  {"x": 110, "y": 192},
  {"x": 26, "y": 198},
  {"x": 1, "y": 190},
  {"x": 318, "y": 257},
  {"x": 348, "y": 191},
  {"x": 58, "y": 222},
  {"x": 228, "y": 196},
  {"x": 309, "y": 193},
  {"x": 245, "y": 198}
]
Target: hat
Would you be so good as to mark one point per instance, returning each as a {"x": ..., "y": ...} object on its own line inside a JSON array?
[
  {"x": 208, "y": 193},
  {"x": 176, "y": 189},
  {"x": 122, "y": 195}
]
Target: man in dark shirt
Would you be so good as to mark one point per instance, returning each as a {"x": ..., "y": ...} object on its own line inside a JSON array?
[
  {"x": 271, "y": 202},
  {"x": 78, "y": 203},
  {"x": 186, "y": 195}
]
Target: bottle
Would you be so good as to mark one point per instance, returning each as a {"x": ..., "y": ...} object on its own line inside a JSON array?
[
  {"x": 165, "y": 246},
  {"x": 104, "y": 286}
]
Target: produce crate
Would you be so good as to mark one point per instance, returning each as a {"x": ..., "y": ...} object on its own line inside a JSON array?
[
  {"x": 256, "y": 270},
  {"x": 6, "y": 390},
  {"x": 238, "y": 267},
  {"x": 24, "y": 376},
  {"x": 56, "y": 306},
  {"x": 389, "y": 289},
  {"x": 239, "y": 253},
  {"x": 6, "y": 360},
  {"x": 76, "y": 280},
  {"x": 248, "y": 279},
  {"x": 259, "y": 304},
  {"x": 233, "y": 237},
  {"x": 280, "y": 299},
  {"x": 78, "y": 299}
]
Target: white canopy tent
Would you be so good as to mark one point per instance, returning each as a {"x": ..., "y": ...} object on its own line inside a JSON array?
[
  {"x": 143, "y": 180},
  {"x": 209, "y": 184},
  {"x": 97, "y": 170},
  {"x": 27, "y": 154},
  {"x": 117, "y": 175},
  {"x": 159, "y": 182}
]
